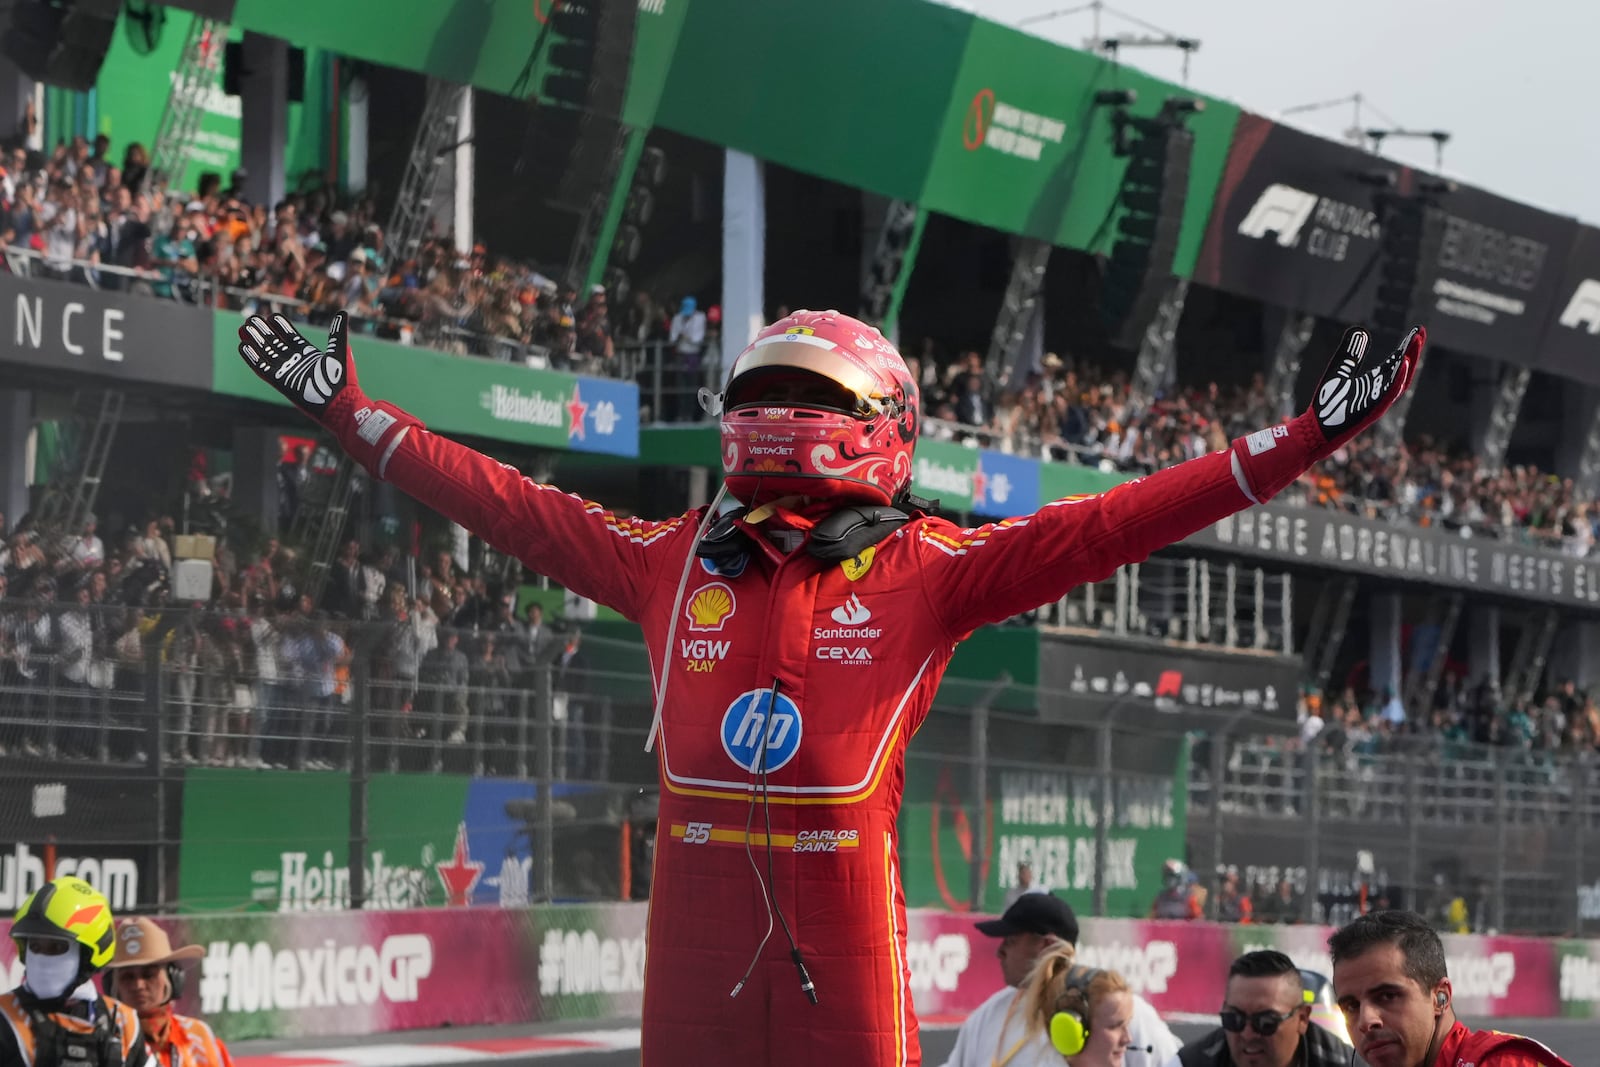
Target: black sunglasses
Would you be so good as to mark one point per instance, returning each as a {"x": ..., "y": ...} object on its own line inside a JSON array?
[{"x": 1265, "y": 1023}]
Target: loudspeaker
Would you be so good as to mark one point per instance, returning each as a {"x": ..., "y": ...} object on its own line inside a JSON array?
[
  {"x": 1413, "y": 229},
  {"x": 233, "y": 71},
  {"x": 61, "y": 44},
  {"x": 1154, "y": 190}
]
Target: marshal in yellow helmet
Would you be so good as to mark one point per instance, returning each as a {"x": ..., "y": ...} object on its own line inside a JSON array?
[
  {"x": 65, "y": 934},
  {"x": 68, "y": 909}
]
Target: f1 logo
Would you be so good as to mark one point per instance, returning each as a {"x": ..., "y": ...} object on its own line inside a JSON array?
[
  {"x": 1583, "y": 310},
  {"x": 1280, "y": 209}
]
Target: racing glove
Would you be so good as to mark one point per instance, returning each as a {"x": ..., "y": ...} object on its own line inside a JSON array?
[
  {"x": 322, "y": 383},
  {"x": 1353, "y": 393}
]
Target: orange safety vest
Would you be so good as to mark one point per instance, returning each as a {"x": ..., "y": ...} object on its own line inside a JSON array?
[
  {"x": 125, "y": 1029},
  {"x": 190, "y": 1043}
]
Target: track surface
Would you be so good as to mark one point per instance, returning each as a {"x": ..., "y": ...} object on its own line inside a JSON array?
[{"x": 1576, "y": 1039}]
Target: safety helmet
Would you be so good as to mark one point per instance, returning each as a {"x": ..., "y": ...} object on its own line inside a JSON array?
[
  {"x": 1175, "y": 873},
  {"x": 1317, "y": 991},
  {"x": 68, "y": 909},
  {"x": 819, "y": 405}
]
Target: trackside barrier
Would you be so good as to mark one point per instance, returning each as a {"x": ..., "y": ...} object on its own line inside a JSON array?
[{"x": 353, "y": 973}]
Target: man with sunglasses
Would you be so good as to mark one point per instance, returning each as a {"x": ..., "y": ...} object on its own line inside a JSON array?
[
  {"x": 1389, "y": 976},
  {"x": 1266, "y": 1022}
]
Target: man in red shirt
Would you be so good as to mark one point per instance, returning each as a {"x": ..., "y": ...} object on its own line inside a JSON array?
[{"x": 1390, "y": 980}]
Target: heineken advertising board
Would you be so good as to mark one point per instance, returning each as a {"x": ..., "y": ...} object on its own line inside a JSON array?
[
  {"x": 281, "y": 842},
  {"x": 465, "y": 395}
]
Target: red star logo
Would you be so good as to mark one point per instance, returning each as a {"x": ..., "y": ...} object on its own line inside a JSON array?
[
  {"x": 576, "y": 408},
  {"x": 461, "y": 874},
  {"x": 980, "y": 483}
]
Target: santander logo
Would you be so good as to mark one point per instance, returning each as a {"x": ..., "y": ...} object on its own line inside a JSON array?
[{"x": 852, "y": 612}]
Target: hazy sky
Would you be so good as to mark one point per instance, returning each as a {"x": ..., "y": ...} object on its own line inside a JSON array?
[{"x": 1516, "y": 83}]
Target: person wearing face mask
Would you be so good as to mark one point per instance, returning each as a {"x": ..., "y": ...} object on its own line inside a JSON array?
[
  {"x": 64, "y": 935},
  {"x": 1084, "y": 1012},
  {"x": 147, "y": 975},
  {"x": 1266, "y": 1021},
  {"x": 1391, "y": 983}
]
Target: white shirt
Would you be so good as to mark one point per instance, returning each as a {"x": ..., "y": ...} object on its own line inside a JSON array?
[{"x": 981, "y": 1042}]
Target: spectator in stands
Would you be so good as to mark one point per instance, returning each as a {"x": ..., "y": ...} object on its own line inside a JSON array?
[
  {"x": 540, "y": 638},
  {"x": 687, "y": 336},
  {"x": 1181, "y": 896},
  {"x": 594, "y": 332},
  {"x": 571, "y": 683},
  {"x": 1283, "y": 906},
  {"x": 490, "y": 712},
  {"x": 442, "y": 692},
  {"x": 345, "y": 594},
  {"x": 1025, "y": 882},
  {"x": 87, "y": 550},
  {"x": 1233, "y": 903}
]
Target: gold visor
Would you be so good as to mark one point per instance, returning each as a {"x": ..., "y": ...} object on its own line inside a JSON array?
[{"x": 800, "y": 352}]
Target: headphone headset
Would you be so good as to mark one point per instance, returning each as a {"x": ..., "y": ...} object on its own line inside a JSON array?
[
  {"x": 1441, "y": 998},
  {"x": 174, "y": 981},
  {"x": 1069, "y": 1028}
]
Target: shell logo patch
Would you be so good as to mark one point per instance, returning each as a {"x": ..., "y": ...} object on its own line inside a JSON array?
[{"x": 711, "y": 607}]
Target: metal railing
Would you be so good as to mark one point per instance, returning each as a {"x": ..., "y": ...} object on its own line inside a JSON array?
[
  {"x": 148, "y": 694},
  {"x": 1230, "y": 606},
  {"x": 1518, "y": 827}
]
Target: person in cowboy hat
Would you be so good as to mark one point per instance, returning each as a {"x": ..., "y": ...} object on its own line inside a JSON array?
[{"x": 147, "y": 975}]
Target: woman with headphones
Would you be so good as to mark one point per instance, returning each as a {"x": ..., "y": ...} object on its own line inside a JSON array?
[{"x": 1084, "y": 1011}]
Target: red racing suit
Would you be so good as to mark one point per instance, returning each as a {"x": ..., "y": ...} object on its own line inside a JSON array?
[
  {"x": 1490, "y": 1048},
  {"x": 855, "y": 651}
]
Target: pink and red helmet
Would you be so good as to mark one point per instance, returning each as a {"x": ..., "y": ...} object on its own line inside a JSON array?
[{"x": 819, "y": 405}]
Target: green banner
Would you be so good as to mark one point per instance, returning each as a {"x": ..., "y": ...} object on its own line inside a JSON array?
[
  {"x": 943, "y": 471},
  {"x": 913, "y": 100},
  {"x": 849, "y": 91},
  {"x": 281, "y": 842},
  {"x": 486, "y": 43},
  {"x": 134, "y": 83},
  {"x": 1057, "y": 480},
  {"x": 467, "y": 395},
  {"x": 1047, "y": 817},
  {"x": 1024, "y": 149}
]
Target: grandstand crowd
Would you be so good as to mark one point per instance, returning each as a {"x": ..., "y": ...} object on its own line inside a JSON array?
[
  {"x": 75, "y": 213},
  {"x": 76, "y": 207}
]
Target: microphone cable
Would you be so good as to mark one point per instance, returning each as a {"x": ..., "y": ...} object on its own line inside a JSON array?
[{"x": 769, "y": 897}]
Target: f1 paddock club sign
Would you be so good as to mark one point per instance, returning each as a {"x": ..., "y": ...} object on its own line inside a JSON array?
[
  {"x": 57, "y": 327},
  {"x": 1571, "y": 346},
  {"x": 1298, "y": 222},
  {"x": 1313, "y": 536}
]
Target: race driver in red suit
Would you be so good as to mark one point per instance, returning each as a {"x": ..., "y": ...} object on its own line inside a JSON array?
[
  {"x": 797, "y": 629},
  {"x": 1391, "y": 980}
]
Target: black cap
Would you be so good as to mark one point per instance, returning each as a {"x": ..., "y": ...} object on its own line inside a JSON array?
[{"x": 1035, "y": 913}]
